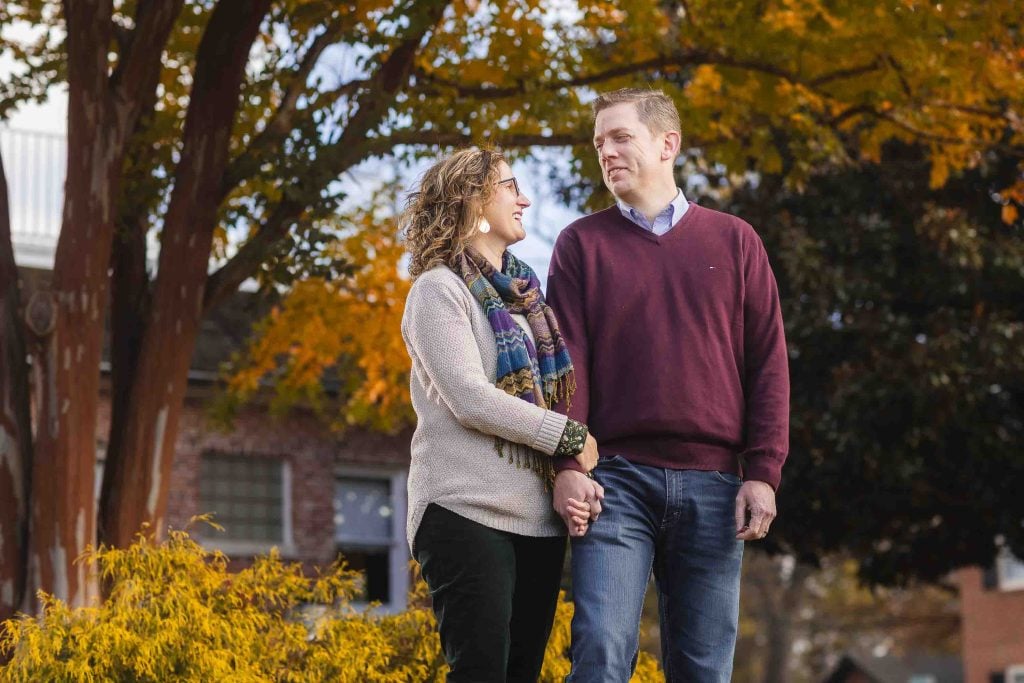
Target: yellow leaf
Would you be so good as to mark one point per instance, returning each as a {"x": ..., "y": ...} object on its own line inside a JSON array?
[
  {"x": 1009, "y": 213},
  {"x": 940, "y": 172}
]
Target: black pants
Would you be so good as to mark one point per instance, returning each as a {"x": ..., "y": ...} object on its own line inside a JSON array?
[{"x": 494, "y": 595}]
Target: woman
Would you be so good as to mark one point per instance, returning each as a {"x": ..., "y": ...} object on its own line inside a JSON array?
[{"x": 488, "y": 361}]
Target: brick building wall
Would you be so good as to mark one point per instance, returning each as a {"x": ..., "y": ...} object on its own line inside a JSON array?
[
  {"x": 993, "y": 626},
  {"x": 305, "y": 445},
  {"x": 315, "y": 457},
  {"x": 322, "y": 470}
]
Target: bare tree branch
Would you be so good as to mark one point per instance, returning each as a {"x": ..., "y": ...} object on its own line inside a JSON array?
[
  {"x": 688, "y": 57},
  {"x": 382, "y": 145},
  {"x": 842, "y": 74},
  {"x": 169, "y": 335},
  {"x": 281, "y": 122},
  {"x": 225, "y": 281},
  {"x": 16, "y": 466},
  {"x": 371, "y": 108},
  {"x": 994, "y": 114},
  {"x": 849, "y": 113},
  {"x": 898, "y": 69},
  {"x": 138, "y": 67}
]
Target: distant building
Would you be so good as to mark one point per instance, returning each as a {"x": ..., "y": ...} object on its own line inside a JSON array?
[
  {"x": 992, "y": 611},
  {"x": 288, "y": 483},
  {"x": 913, "y": 668}
]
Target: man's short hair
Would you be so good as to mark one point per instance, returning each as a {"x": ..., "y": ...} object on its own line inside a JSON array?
[{"x": 654, "y": 108}]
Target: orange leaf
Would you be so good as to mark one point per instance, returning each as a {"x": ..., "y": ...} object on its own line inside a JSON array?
[{"x": 1009, "y": 213}]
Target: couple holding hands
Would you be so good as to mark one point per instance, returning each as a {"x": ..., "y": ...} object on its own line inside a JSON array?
[{"x": 642, "y": 407}]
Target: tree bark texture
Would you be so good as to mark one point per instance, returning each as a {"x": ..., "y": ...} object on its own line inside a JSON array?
[
  {"x": 68, "y": 321},
  {"x": 780, "y": 599},
  {"x": 51, "y": 504},
  {"x": 68, "y": 318},
  {"x": 15, "y": 425},
  {"x": 352, "y": 147},
  {"x": 138, "y": 487}
]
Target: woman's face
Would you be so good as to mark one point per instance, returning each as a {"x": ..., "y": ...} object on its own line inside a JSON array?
[{"x": 505, "y": 209}]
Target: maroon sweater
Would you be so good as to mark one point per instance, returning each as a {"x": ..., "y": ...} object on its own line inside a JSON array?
[{"x": 677, "y": 342}]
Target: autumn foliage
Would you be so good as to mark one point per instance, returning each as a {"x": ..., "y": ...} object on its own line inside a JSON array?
[
  {"x": 349, "y": 326},
  {"x": 175, "y": 613},
  {"x": 227, "y": 131}
]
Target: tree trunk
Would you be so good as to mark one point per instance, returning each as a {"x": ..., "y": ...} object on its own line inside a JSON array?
[
  {"x": 15, "y": 425},
  {"x": 129, "y": 308},
  {"x": 138, "y": 487},
  {"x": 69, "y": 320},
  {"x": 781, "y": 614},
  {"x": 135, "y": 81},
  {"x": 780, "y": 643}
]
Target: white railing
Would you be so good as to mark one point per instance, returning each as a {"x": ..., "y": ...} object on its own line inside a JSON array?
[{"x": 35, "y": 164}]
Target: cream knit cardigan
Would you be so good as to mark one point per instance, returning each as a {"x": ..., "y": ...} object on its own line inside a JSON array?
[{"x": 459, "y": 411}]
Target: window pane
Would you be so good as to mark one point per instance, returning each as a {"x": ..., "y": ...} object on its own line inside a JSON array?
[
  {"x": 1012, "y": 569},
  {"x": 373, "y": 564},
  {"x": 363, "y": 510},
  {"x": 245, "y": 495}
]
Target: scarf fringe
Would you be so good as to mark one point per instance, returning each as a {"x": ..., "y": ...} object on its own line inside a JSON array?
[
  {"x": 524, "y": 457},
  {"x": 560, "y": 389}
]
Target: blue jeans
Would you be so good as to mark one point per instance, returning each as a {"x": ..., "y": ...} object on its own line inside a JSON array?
[{"x": 680, "y": 523}]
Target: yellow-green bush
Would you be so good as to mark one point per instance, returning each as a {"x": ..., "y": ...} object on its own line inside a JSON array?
[
  {"x": 175, "y": 613},
  {"x": 556, "y": 657}
]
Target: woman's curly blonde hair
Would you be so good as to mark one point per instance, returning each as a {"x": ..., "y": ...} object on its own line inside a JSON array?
[{"x": 441, "y": 215}]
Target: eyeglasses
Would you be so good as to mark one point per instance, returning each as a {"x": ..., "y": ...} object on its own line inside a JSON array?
[{"x": 515, "y": 184}]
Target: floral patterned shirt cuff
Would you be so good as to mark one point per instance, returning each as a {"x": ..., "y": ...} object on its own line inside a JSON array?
[{"x": 574, "y": 437}]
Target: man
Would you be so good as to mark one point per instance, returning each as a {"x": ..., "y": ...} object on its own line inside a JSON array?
[{"x": 671, "y": 314}]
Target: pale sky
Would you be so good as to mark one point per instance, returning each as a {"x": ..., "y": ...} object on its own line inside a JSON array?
[
  {"x": 542, "y": 220},
  {"x": 49, "y": 117}
]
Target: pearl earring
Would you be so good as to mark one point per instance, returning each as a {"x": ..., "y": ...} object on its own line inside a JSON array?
[{"x": 483, "y": 225}]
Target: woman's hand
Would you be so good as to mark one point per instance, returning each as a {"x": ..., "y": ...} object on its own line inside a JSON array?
[
  {"x": 587, "y": 458},
  {"x": 577, "y": 516},
  {"x": 577, "y": 500}
]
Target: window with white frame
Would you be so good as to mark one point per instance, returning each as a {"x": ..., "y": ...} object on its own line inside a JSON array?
[
  {"x": 250, "y": 496},
  {"x": 369, "y": 531},
  {"x": 1015, "y": 674},
  {"x": 1010, "y": 572}
]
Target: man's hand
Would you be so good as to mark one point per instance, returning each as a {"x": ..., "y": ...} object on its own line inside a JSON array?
[
  {"x": 757, "y": 499},
  {"x": 587, "y": 458},
  {"x": 577, "y": 500}
]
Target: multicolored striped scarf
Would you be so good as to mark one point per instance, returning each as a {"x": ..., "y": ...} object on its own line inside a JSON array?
[{"x": 540, "y": 371}]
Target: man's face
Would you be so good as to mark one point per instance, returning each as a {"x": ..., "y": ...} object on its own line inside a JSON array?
[{"x": 631, "y": 156}]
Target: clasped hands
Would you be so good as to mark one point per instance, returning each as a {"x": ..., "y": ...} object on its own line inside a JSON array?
[{"x": 577, "y": 498}]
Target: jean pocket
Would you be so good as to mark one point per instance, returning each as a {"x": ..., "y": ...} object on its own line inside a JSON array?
[{"x": 728, "y": 478}]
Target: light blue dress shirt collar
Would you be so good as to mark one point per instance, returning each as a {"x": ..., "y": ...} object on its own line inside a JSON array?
[{"x": 664, "y": 221}]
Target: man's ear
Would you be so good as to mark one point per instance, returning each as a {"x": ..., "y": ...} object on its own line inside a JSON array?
[{"x": 672, "y": 142}]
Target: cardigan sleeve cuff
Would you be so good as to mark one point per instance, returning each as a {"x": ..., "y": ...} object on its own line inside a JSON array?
[{"x": 550, "y": 433}]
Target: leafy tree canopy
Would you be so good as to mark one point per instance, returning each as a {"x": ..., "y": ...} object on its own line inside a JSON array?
[
  {"x": 904, "y": 307},
  {"x": 784, "y": 88},
  {"x": 778, "y": 87}
]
